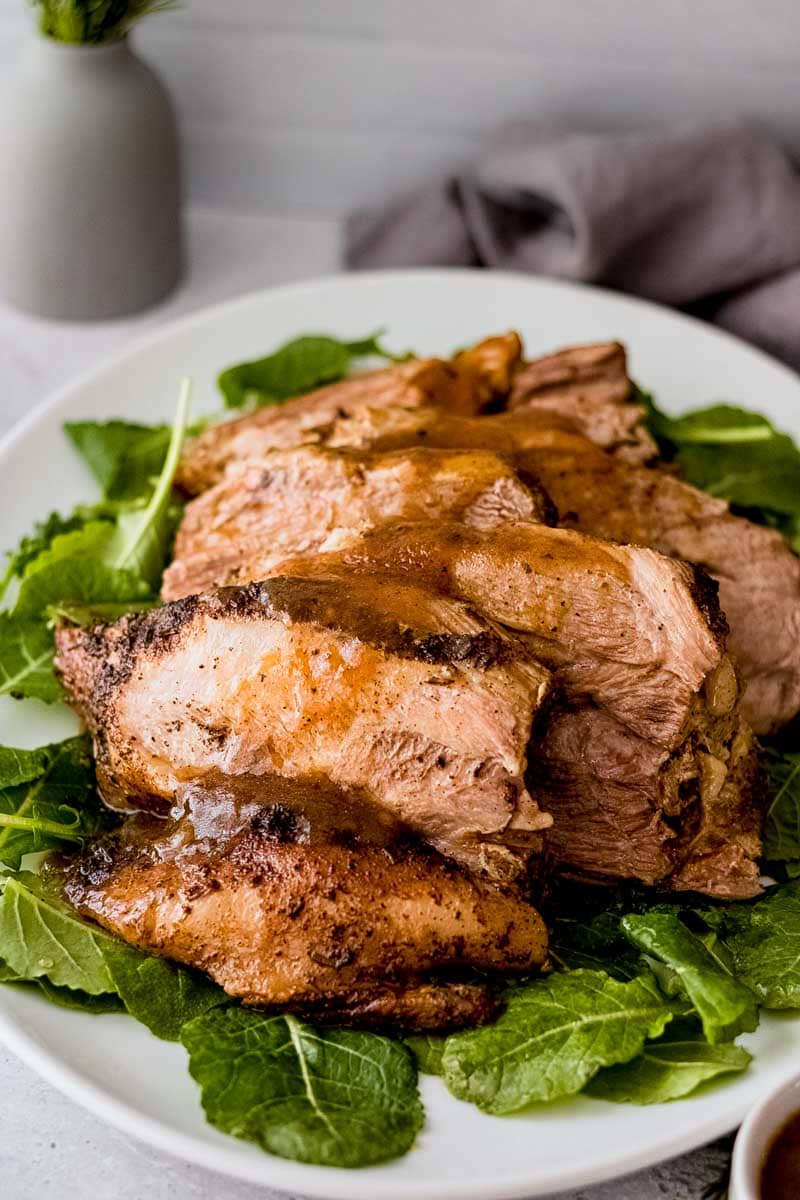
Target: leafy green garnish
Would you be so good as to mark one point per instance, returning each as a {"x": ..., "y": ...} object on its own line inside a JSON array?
[
  {"x": 68, "y": 998},
  {"x": 41, "y": 939},
  {"x": 737, "y": 455},
  {"x": 26, "y": 659},
  {"x": 298, "y": 366},
  {"x": 78, "y": 566},
  {"x": 159, "y": 993},
  {"x": 47, "y": 797},
  {"x": 32, "y": 545},
  {"x": 725, "y": 1006},
  {"x": 338, "y": 1098},
  {"x": 555, "y": 1034},
  {"x": 671, "y": 1067},
  {"x": 763, "y": 939},
  {"x": 141, "y": 538},
  {"x": 782, "y": 823},
  {"x": 124, "y": 457},
  {"x": 427, "y": 1049},
  {"x": 595, "y": 942},
  {"x": 111, "y": 556}
]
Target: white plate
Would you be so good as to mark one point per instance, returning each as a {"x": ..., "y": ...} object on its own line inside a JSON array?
[{"x": 111, "y": 1064}]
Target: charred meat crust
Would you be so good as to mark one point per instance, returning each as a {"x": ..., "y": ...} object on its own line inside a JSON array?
[
  {"x": 549, "y": 512},
  {"x": 357, "y": 933},
  {"x": 298, "y": 599},
  {"x": 705, "y": 592},
  {"x": 419, "y": 1008}
]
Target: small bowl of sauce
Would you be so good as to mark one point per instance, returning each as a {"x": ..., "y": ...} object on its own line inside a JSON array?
[
  {"x": 780, "y": 1173},
  {"x": 766, "y": 1157}
]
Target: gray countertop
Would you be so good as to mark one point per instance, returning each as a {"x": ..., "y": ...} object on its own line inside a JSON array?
[{"x": 48, "y": 1146}]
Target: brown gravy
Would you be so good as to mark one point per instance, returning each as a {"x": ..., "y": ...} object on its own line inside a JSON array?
[{"x": 780, "y": 1174}]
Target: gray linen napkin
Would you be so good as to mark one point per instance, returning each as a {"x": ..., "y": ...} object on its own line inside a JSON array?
[{"x": 707, "y": 219}]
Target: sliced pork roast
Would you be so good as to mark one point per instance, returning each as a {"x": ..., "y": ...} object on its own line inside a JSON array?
[
  {"x": 589, "y": 386},
  {"x": 464, "y": 385},
  {"x": 644, "y": 761},
  {"x": 380, "y": 686},
  {"x": 302, "y": 499},
  {"x": 757, "y": 571},
  {"x": 319, "y": 913}
]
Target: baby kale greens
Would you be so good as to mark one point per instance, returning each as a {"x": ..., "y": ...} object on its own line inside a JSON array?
[
  {"x": 782, "y": 824},
  {"x": 113, "y": 553},
  {"x": 668, "y": 1068},
  {"x": 763, "y": 940},
  {"x": 31, "y": 546},
  {"x": 124, "y": 457},
  {"x": 341, "y": 1098},
  {"x": 47, "y": 798},
  {"x": 26, "y": 660},
  {"x": 337, "y": 1098},
  {"x": 553, "y": 1036},
  {"x": 738, "y": 456},
  {"x": 44, "y": 941},
  {"x": 725, "y": 1006},
  {"x": 297, "y": 367}
]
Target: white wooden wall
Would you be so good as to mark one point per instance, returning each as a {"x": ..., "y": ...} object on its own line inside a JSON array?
[{"x": 322, "y": 104}]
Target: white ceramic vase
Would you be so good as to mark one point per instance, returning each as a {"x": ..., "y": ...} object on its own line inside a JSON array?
[{"x": 90, "y": 222}]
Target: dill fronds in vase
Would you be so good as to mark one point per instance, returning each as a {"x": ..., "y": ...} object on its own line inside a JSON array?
[{"x": 90, "y": 22}]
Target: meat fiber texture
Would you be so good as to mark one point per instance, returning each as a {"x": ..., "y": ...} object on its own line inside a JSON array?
[
  {"x": 644, "y": 759},
  {"x": 378, "y": 686}
]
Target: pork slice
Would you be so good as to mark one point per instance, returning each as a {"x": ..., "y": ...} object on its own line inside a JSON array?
[
  {"x": 589, "y": 385},
  {"x": 281, "y": 916},
  {"x": 624, "y": 627},
  {"x": 643, "y": 758},
  {"x": 382, "y": 687},
  {"x": 301, "y": 500},
  {"x": 626, "y": 808},
  {"x": 284, "y": 908},
  {"x": 757, "y": 572},
  {"x": 465, "y": 385}
]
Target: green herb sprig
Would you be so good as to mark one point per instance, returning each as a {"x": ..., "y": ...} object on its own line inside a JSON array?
[{"x": 91, "y": 22}]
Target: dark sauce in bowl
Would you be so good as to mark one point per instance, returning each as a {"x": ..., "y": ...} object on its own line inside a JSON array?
[{"x": 780, "y": 1174}]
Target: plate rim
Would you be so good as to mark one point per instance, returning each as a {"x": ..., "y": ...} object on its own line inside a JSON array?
[
  {"x": 270, "y": 1170},
  {"x": 293, "y": 1176}
]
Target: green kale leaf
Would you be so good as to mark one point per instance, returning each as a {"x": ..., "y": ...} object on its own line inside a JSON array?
[
  {"x": 554, "y": 1035},
  {"x": 737, "y": 455},
  {"x": 337, "y": 1098},
  {"x": 782, "y": 823},
  {"x": 26, "y": 659},
  {"x": 159, "y": 993},
  {"x": 595, "y": 942},
  {"x": 142, "y": 536},
  {"x": 670, "y": 1067},
  {"x": 124, "y": 457},
  {"x": 427, "y": 1049},
  {"x": 66, "y": 997},
  {"x": 78, "y": 566},
  {"x": 763, "y": 939},
  {"x": 298, "y": 366},
  {"x": 47, "y": 798},
  {"x": 112, "y": 558},
  {"x": 43, "y": 940},
  {"x": 725, "y": 1005},
  {"x": 32, "y": 545}
]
